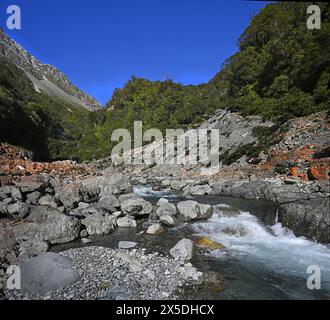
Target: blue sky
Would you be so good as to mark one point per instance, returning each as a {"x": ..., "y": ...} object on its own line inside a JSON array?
[{"x": 100, "y": 44}]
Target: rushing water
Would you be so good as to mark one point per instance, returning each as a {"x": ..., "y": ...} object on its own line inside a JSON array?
[{"x": 261, "y": 259}]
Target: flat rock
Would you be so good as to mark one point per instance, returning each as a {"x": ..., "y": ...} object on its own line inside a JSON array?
[{"x": 47, "y": 272}]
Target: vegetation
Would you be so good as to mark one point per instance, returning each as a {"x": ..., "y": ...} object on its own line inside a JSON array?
[{"x": 281, "y": 71}]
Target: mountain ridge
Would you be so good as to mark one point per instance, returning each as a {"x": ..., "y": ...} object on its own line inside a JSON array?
[{"x": 45, "y": 77}]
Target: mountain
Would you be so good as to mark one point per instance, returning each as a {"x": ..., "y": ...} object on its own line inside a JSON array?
[
  {"x": 280, "y": 72},
  {"x": 41, "y": 110},
  {"x": 46, "y": 78}
]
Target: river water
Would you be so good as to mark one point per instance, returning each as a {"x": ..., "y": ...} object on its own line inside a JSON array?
[{"x": 261, "y": 259}]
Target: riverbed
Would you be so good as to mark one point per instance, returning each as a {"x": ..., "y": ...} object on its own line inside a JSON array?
[{"x": 261, "y": 259}]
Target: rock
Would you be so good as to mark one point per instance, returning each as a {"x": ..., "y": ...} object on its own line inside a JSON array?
[
  {"x": 19, "y": 210},
  {"x": 137, "y": 207},
  {"x": 3, "y": 209},
  {"x": 47, "y": 272},
  {"x": 200, "y": 190},
  {"x": 16, "y": 193},
  {"x": 155, "y": 229},
  {"x": 188, "y": 210},
  {"x": 84, "y": 234},
  {"x": 33, "y": 197},
  {"x": 30, "y": 249},
  {"x": 309, "y": 218},
  {"x": 178, "y": 185},
  {"x": 83, "y": 205},
  {"x": 117, "y": 214},
  {"x": 214, "y": 281},
  {"x": 166, "y": 208},
  {"x": 99, "y": 224},
  {"x": 126, "y": 245},
  {"x": 193, "y": 211},
  {"x": 162, "y": 201},
  {"x": 183, "y": 250},
  {"x": 86, "y": 241},
  {"x": 319, "y": 172},
  {"x": 166, "y": 183},
  {"x": 48, "y": 224},
  {"x": 168, "y": 220},
  {"x": 28, "y": 184},
  {"x": 126, "y": 222},
  {"x": 209, "y": 244},
  {"x": 115, "y": 184},
  {"x": 92, "y": 210},
  {"x": 70, "y": 195},
  {"x": 109, "y": 203},
  {"x": 228, "y": 212},
  {"x": 128, "y": 196},
  {"x": 205, "y": 211},
  {"x": 48, "y": 201}
]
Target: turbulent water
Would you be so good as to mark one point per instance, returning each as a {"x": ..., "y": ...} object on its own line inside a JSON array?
[{"x": 263, "y": 259}]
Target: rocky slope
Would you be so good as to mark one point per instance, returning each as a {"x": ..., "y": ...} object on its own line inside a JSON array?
[{"x": 46, "y": 78}]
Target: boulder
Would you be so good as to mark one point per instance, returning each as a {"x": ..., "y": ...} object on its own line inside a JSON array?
[
  {"x": 168, "y": 220},
  {"x": 48, "y": 224},
  {"x": 183, "y": 250},
  {"x": 192, "y": 211},
  {"x": 47, "y": 272},
  {"x": 126, "y": 222},
  {"x": 166, "y": 208},
  {"x": 70, "y": 195},
  {"x": 128, "y": 196},
  {"x": 19, "y": 210},
  {"x": 47, "y": 201},
  {"x": 33, "y": 197},
  {"x": 208, "y": 244},
  {"x": 200, "y": 190},
  {"x": 126, "y": 245},
  {"x": 29, "y": 249},
  {"x": 155, "y": 229},
  {"x": 136, "y": 207},
  {"x": 109, "y": 203},
  {"x": 29, "y": 184},
  {"x": 115, "y": 184},
  {"x": 99, "y": 224},
  {"x": 309, "y": 218},
  {"x": 178, "y": 185}
]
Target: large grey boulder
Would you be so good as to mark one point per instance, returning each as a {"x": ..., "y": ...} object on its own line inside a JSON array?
[
  {"x": 99, "y": 224},
  {"x": 308, "y": 218},
  {"x": 48, "y": 224},
  {"x": 192, "y": 211},
  {"x": 46, "y": 273},
  {"x": 109, "y": 203},
  {"x": 115, "y": 184},
  {"x": 70, "y": 195},
  {"x": 183, "y": 250},
  {"x": 136, "y": 207}
]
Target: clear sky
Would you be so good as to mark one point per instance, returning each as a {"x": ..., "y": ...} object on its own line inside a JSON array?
[{"x": 100, "y": 44}]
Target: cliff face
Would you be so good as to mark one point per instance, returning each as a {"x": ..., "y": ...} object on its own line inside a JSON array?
[{"x": 46, "y": 78}]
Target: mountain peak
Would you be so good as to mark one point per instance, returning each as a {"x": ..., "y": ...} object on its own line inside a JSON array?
[{"x": 45, "y": 77}]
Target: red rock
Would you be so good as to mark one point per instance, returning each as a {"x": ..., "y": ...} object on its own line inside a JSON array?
[{"x": 319, "y": 172}]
